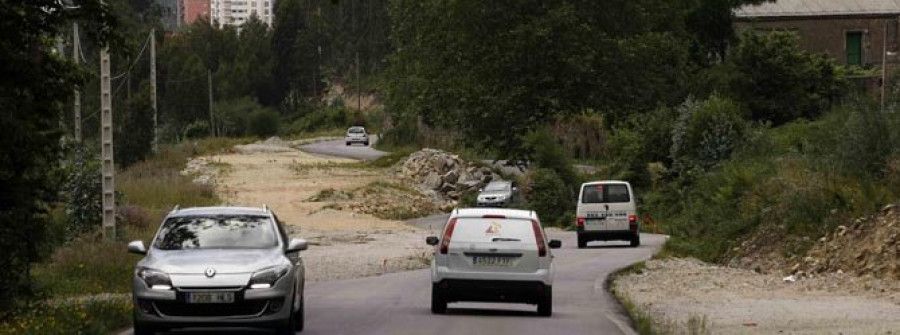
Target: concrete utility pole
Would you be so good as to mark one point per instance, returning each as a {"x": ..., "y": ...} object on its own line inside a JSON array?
[
  {"x": 358, "y": 86},
  {"x": 108, "y": 168},
  {"x": 212, "y": 122},
  {"x": 155, "y": 144},
  {"x": 883, "y": 64},
  {"x": 76, "y": 50}
]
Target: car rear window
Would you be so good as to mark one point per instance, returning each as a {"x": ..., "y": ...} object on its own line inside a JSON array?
[
  {"x": 356, "y": 130},
  {"x": 478, "y": 230},
  {"x": 217, "y": 232},
  {"x": 605, "y": 193}
]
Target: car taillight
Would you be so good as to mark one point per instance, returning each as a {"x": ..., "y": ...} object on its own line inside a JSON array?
[
  {"x": 539, "y": 238},
  {"x": 579, "y": 222},
  {"x": 632, "y": 218},
  {"x": 445, "y": 242}
]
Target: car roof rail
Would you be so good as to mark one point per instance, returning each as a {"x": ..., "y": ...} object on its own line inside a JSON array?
[
  {"x": 265, "y": 207},
  {"x": 175, "y": 209}
]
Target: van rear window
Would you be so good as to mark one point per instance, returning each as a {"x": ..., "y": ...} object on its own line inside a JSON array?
[{"x": 605, "y": 193}]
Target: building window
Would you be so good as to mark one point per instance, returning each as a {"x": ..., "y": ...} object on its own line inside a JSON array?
[{"x": 854, "y": 48}]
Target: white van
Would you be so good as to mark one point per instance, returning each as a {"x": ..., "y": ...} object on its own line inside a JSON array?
[{"x": 607, "y": 211}]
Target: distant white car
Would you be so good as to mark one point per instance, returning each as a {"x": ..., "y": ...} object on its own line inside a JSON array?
[
  {"x": 607, "y": 211},
  {"x": 357, "y": 135},
  {"x": 492, "y": 255}
]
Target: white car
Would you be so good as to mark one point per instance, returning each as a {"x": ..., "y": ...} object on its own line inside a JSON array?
[
  {"x": 492, "y": 255},
  {"x": 607, "y": 211},
  {"x": 357, "y": 135}
]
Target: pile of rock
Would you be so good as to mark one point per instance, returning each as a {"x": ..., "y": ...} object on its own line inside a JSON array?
[
  {"x": 202, "y": 172},
  {"x": 271, "y": 144},
  {"x": 443, "y": 173},
  {"x": 868, "y": 247}
]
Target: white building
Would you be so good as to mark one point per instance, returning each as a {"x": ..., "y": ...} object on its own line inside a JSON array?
[{"x": 236, "y": 12}]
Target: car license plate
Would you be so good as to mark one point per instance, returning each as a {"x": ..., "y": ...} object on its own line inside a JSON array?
[
  {"x": 209, "y": 297},
  {"x": 595, "y": 222},
  {"x": 492, "y": 261}
]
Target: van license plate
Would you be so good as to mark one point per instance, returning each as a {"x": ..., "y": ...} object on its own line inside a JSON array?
[
  {"x": 492, "y": 261},
  {"x": 209, "y": 297}
]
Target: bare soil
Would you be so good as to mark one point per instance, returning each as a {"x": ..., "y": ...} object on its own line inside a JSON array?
[{"x": 343, "y": 243}]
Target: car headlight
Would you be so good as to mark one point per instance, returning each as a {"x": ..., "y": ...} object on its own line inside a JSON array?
[
  {"x": 266, "y": 278},
  {"x": 155, "y": 279}
]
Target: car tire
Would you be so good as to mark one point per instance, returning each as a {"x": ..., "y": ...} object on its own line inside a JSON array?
[
  {"x": 142, "y": 329},
  {"x": 299, "y": 318},
  {"x": 581, "y": 243},
  {"x": 438, "y": 302},
  {"x": 545, "y": 306},
  {"x": 366, "y": 143},
  {"x": 348, "y": 144},
  {"x": 290, "y": 324},
  {"x": 636, "y": 240}
]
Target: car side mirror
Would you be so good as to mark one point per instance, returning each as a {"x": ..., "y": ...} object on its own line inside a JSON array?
[
  {"x": 480, "y": 190},
  {"x": 555, "y": 244},
  {"x": 431, "y": 240},
  {"x": 296, "y": 244},
  {"x": 137, "y": 247},
  {"x": 515, "y": 188}
]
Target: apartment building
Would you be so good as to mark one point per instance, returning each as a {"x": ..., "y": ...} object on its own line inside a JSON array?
[
  {"x": 236, "y": 12},
  {"x": 193, "y": 10}
]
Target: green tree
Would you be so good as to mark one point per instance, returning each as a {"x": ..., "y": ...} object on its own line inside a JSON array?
[
  {"x": 495, "y": 70},
  {"x": 35, "y": 84},
  {"x": 777, "y": 81},
  {"x": 295, "y": 51}
]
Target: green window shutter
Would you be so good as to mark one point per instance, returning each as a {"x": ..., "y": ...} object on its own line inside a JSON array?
[{"x": 854, "y": 48}]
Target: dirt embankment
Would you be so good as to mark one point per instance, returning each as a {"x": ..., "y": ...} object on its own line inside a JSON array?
[{"x": 847, "y": 282}]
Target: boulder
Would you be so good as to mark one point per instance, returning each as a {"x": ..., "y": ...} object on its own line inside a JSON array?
[
  {"x": 450, "y": 177},
  {"x": 433, "y": 181},
  {"x": 447, "y": 188}
]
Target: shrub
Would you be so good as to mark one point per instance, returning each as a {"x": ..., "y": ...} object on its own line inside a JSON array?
[
  {"x": 548, "y": 195},
  {"x": 83, "y": 188},
  {"x": 264, "y": 123},
  {"x": 197, "y": 129},
  {"x": 546, "y": 152},
  {"x": 705, "y": 134}
]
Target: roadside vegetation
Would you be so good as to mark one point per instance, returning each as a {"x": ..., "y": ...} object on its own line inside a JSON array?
[{"x": 85, "y": 281}]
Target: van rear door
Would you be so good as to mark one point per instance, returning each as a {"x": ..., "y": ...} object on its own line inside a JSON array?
[{"x": 606, "y": 206}]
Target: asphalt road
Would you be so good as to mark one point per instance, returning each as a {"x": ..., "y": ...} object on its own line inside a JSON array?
[
  {"x": 399, "y": 303},
  {"x": 339, "y": 148}
]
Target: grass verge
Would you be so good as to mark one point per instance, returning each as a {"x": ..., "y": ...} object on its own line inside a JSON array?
[{"x": 89, "y": 265}]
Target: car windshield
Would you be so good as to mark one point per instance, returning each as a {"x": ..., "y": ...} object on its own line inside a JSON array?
[
  {"x": 217, "y": 232},
  {"x": 605, "y": 193},
  {"x": 356, "y": 130},
  {"x": 493, "y": 187}
]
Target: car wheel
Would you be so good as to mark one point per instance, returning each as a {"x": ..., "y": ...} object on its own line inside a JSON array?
[
  {"x": 366, "y": 143},
  {"x": 438, "y": 302},
  {"x": 299, "y": 319},
  {"x": 290, "y": 324},
  {"x": 581, "y": 243},
  {"x": 348, "y": 144},
  {"x": 545, "y": 306},
  {"x": 636, "y": 240},
  {"x": 142, "y": 329}
]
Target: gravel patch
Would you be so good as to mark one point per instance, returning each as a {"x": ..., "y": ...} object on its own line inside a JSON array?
[
  {"x": 346, "y": 255},
  {"x": 736, "y": 301}
]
